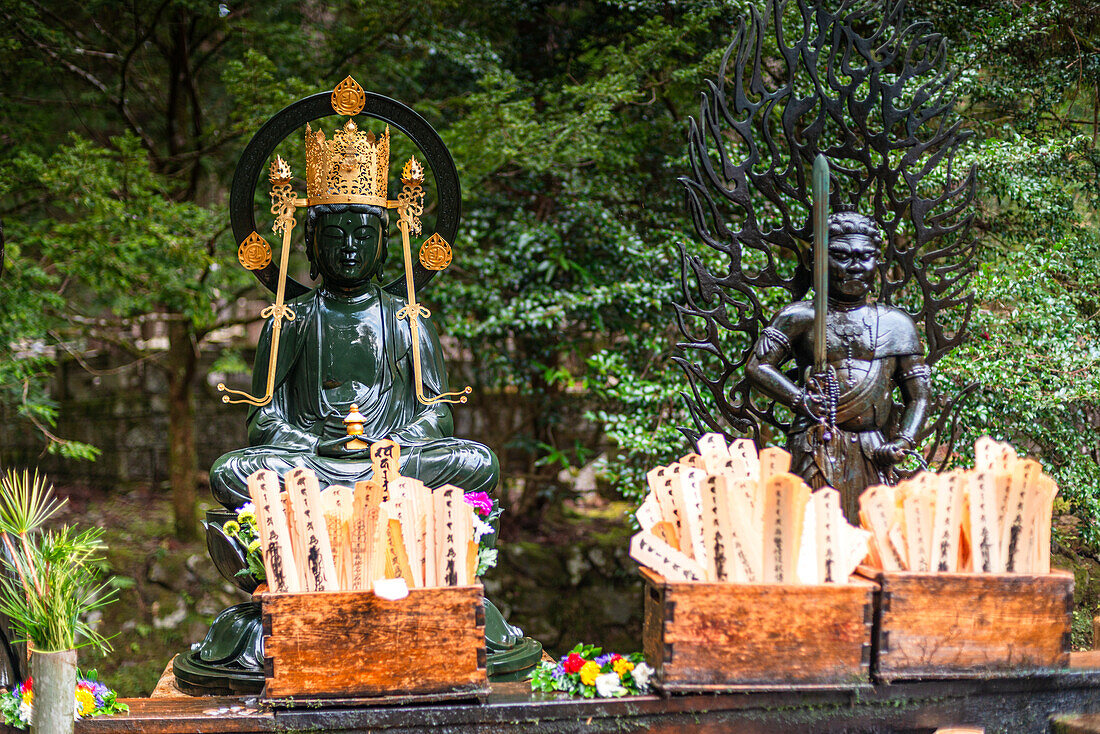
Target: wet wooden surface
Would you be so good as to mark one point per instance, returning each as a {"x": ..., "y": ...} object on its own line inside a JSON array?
[
  {"x": 185, "y": 715},
  {"x": 1021, "y": 704}
]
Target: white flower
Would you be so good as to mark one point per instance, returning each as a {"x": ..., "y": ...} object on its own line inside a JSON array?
[
  {"x": 481, "y": 528},
  {"x": 247, "y": 507},
  {"x": 26, "y": 712},
  {"x": 607, "y": 685},
  {"x": 641, "y": 675}
]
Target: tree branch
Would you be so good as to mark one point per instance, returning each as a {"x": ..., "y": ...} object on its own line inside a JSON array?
[
  {"x": 127, "y": 114},
  {"x": 87, "y": 367},
  {"x": 58, "y": 20},
  {"x": 124, "y": 69},
  {"x": 201, "y": 61},
  {"x": 35, "y": 422}
]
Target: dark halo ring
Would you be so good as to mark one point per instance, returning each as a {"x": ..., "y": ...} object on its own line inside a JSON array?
[{"x": 256, "y": 154}]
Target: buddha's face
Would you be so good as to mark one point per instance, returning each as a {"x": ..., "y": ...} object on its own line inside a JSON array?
[
  {"x": 853, "y": 260},
  {"x": 348, "y": 248}
]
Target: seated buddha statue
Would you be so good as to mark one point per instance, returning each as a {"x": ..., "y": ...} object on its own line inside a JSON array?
[{"x": 347, "y": 345}]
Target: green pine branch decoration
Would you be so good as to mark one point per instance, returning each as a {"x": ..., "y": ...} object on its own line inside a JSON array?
[{"x": 53, "y": 582}]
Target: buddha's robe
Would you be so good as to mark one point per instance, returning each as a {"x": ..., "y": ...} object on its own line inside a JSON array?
[{"x": 338, "y": 351}]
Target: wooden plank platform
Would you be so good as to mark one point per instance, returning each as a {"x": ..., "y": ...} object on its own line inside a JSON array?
[{"x": 1022, "y": 705}]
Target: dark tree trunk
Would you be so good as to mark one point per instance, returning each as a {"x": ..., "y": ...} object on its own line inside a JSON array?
[{"x": 182, "y": 457}]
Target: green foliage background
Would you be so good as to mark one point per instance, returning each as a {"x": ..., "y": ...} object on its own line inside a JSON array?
[{"x": 121, "y": 125}]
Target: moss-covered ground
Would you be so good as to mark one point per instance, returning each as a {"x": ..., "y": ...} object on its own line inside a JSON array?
[{"x": 168, "y": 591}]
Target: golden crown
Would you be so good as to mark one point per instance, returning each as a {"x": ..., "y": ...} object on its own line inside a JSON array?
[{"x": 352, "y": 168}]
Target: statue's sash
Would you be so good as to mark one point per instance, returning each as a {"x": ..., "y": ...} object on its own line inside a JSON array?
[{"x": 861, "y": 397}]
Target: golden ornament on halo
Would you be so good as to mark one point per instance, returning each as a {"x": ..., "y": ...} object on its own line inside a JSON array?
[
  {"x": 435, "y": 253},
  {"x": 254, "y": 253},
  {"x": 348, "y": 98}
]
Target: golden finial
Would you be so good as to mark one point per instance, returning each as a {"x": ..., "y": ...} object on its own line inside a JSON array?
[
  {"x": 413, "y": 173},
  {"x": 410, "y": 202},
  {"x": 348, "y": 98},
  {"x": 279, "y": 172},
  {"x": 354, "y": 421}
]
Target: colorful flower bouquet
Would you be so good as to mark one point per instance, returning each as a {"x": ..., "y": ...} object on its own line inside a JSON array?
[
  {"x": 92, "y": 699},
  {"x": 590, "y": 672}
]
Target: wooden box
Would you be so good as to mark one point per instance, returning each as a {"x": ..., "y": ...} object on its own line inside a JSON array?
[
  {"x": 722, "y": 636},
  {"x": 335, "y": 646},
  {"x": 966, "y": 625}
]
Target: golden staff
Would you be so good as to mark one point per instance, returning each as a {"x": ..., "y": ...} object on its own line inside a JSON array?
[
  {"x": 283, "y": 204},
  {"x": 410, "y": 205}
]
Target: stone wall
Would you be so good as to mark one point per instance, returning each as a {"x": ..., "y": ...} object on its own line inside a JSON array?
[
  {"x": 124, "y": 413},
  {"x": 122, "y": 409}
]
